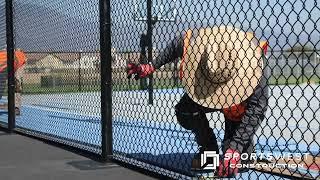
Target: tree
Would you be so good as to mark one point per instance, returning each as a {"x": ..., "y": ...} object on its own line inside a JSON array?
[
  {"x": 300, "y": 47},
  {"x": 299, "y": 50}
]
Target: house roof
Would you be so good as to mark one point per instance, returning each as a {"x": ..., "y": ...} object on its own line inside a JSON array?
[
  {"x": 32, "y": 58},
  {"x": 70, "y": 58},
  {"x": 67, "y": 58}
]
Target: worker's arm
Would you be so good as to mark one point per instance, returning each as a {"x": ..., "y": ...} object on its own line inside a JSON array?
[
  {"x": 256, "y": 107},
  {"x": 173, "y": 51}
]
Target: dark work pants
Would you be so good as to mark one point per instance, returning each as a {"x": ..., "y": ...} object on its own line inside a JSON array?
[{"x": 192, "y": 116}]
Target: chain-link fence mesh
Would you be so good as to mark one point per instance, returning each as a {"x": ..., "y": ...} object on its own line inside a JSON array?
[
  {"x": 163, "y": 123},
  {"x": 60, "y": 94},
  {"x": 294, "y": 67},
  {"x": 3, "y": 24},
  {"x": 3, "y": 72},
  {"x": 235, "y": 77}
]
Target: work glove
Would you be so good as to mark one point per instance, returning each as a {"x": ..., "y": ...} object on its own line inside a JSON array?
[
  {"x": 264, "y": 45},
  {"x": 139, "y": 70},
  {"x": 227, "y": 166}
]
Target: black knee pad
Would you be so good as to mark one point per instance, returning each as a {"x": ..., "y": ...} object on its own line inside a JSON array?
[{"x": 188, "y": 120}]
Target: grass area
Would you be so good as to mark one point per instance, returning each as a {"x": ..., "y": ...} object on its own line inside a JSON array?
[
  {"x": 136, "y": 84},
  {"x": 118, "y": 85},
  {"x": 37, "y": 89},
  {"x": 125, "y": 85},
  {"x": 281, "y": 80}
]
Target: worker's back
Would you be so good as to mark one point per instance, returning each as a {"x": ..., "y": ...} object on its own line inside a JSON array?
[{"x": 19, "y": 56}]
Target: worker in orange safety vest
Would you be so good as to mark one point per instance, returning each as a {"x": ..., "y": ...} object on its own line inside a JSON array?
[
  {"x": 221, "y": 70},
  {"x": 19, "y": 63}
]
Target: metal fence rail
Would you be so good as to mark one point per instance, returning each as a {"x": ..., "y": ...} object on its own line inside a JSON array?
[{"x": 75, "y": 88}]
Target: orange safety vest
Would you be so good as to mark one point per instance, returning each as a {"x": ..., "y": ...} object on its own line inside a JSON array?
[
  {"x": 19, "y": 59},
  {"x": 234, "y": 112}
]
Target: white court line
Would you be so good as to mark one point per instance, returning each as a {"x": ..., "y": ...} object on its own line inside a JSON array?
[
  {"x": 52, "y": 110},
  {"x": 70, "y": 113}
]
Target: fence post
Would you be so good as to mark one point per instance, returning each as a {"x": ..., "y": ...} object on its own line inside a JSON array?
[
  {"x": 150, "y": 23},
  {"x": 106, "y": 79},
  {"x": 142, "y": 60},
  {"x": 10, "y": 64}
]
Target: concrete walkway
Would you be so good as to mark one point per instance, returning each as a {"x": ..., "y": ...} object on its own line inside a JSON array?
[{"x": 24, "y": 158}]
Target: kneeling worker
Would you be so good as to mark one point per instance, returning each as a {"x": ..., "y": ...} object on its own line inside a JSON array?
[{"x": 221, "y": 70}]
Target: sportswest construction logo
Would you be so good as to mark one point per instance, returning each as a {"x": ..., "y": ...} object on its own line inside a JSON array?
[
  {"x": 215, "y": 160},
  {"x": 254, "y": 157}
]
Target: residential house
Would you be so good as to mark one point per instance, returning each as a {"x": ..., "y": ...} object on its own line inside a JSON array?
[
  {"x": 42, "y": 62},
  {"x": 86, "y": 62}
]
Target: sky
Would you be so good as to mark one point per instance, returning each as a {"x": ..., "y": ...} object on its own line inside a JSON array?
[
  {"x": 43, "y": 25},
  {"x": 282, "y": 22}
]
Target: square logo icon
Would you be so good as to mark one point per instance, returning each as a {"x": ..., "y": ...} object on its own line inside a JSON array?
[{"x": 213, "y": 164}]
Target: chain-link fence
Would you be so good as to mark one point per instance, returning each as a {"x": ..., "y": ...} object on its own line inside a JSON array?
[
  {"x": 162, "y": 122},
  {"x": 294, "y": 67},
  {"x": 238, "y": 78},
  {"x": 57, "y": 76},
  {"x": 3, "y": 25},
  {"x": 61, "y": 72},
  {"x": 3, "y": 72}
]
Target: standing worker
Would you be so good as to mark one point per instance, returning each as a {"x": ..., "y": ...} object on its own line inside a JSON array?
[
  {"x": 222, "y": 71},
  {"x": 19, "y": 63}
]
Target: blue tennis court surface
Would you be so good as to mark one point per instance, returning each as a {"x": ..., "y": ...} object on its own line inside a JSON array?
[
  {"x": 151, "y": 134},
  {"x": 161, "y": 143}
]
